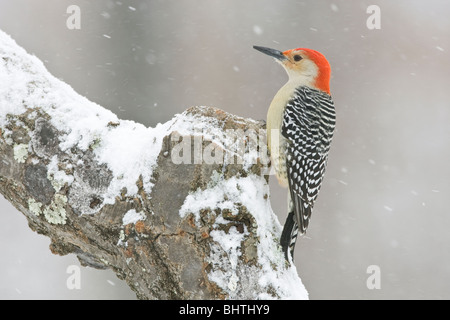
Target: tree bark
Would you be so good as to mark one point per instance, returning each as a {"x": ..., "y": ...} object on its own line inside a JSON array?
[{"x": 180, "y": 211}]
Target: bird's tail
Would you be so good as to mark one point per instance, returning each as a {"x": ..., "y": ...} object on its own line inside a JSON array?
[{"x": 289, "y": 236}]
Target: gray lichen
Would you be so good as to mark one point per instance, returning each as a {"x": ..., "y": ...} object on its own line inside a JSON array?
[
  {"x": 55, "y": 213},
  {"x": 45, "y": 139},
  {"x": 34, "y": 206},
  {"x": 21, "y": 152},
  {"x": 37, "y": 183}
]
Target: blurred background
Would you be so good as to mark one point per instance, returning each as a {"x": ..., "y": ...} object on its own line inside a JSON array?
[{"x": 384, "y": 201}]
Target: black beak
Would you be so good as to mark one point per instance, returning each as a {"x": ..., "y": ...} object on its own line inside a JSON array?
[{"x": 277, "y": 54}]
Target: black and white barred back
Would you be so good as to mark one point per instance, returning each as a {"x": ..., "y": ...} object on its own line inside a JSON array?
[{"x": 308, "y": 125}]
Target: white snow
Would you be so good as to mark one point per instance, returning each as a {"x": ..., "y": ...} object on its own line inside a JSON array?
[
  {"x": 110, "y": 282},
  {"x": 128, "y": 149},
  {"x": 57, "y": 177},
  {"x": 230, "y": 243},
  {"x": 258, "y": 30},
  {"x": 132, "y": 217},
  {"x": 105, "y": 15},
  {"x": 273, "y": 272}
]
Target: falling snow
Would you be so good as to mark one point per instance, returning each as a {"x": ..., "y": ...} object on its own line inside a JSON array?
[
  {"x": 258, "y": 30},
  {"x": 334, "y": 7}
]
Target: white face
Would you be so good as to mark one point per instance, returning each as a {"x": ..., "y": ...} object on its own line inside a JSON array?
[
  {"x": 299, "y": 67},
  {"x": 305, "y": 67}
]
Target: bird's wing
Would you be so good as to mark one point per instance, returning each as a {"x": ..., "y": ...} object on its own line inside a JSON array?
[{"x": 308, "y": 140}]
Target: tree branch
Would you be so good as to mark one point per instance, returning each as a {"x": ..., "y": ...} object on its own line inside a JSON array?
[{"x": 180, "y": 211}]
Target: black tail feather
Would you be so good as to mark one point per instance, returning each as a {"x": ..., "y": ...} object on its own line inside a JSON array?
[{"x": 289, "y": 236}]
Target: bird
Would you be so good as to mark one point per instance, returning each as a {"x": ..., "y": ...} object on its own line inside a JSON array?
[{"x": 300, "y": 124}]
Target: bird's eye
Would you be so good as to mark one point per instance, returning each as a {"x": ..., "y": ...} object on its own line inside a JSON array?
[{"x": 297, "y": 57}]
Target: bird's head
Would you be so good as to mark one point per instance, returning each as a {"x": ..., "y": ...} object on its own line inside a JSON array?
[{"x": 304, "y": 66}]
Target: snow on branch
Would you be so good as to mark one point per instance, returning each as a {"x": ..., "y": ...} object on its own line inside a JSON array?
[{"x": 179, "y": 211}]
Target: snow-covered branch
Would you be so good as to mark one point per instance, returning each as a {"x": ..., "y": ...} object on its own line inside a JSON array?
[{"x": 180, "y": 211}]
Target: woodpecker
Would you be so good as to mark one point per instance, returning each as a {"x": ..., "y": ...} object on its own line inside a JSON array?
[{"x": 300, "y": 125}]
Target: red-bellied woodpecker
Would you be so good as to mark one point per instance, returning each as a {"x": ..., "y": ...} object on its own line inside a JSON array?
[{"x": 300, "y": 125}]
